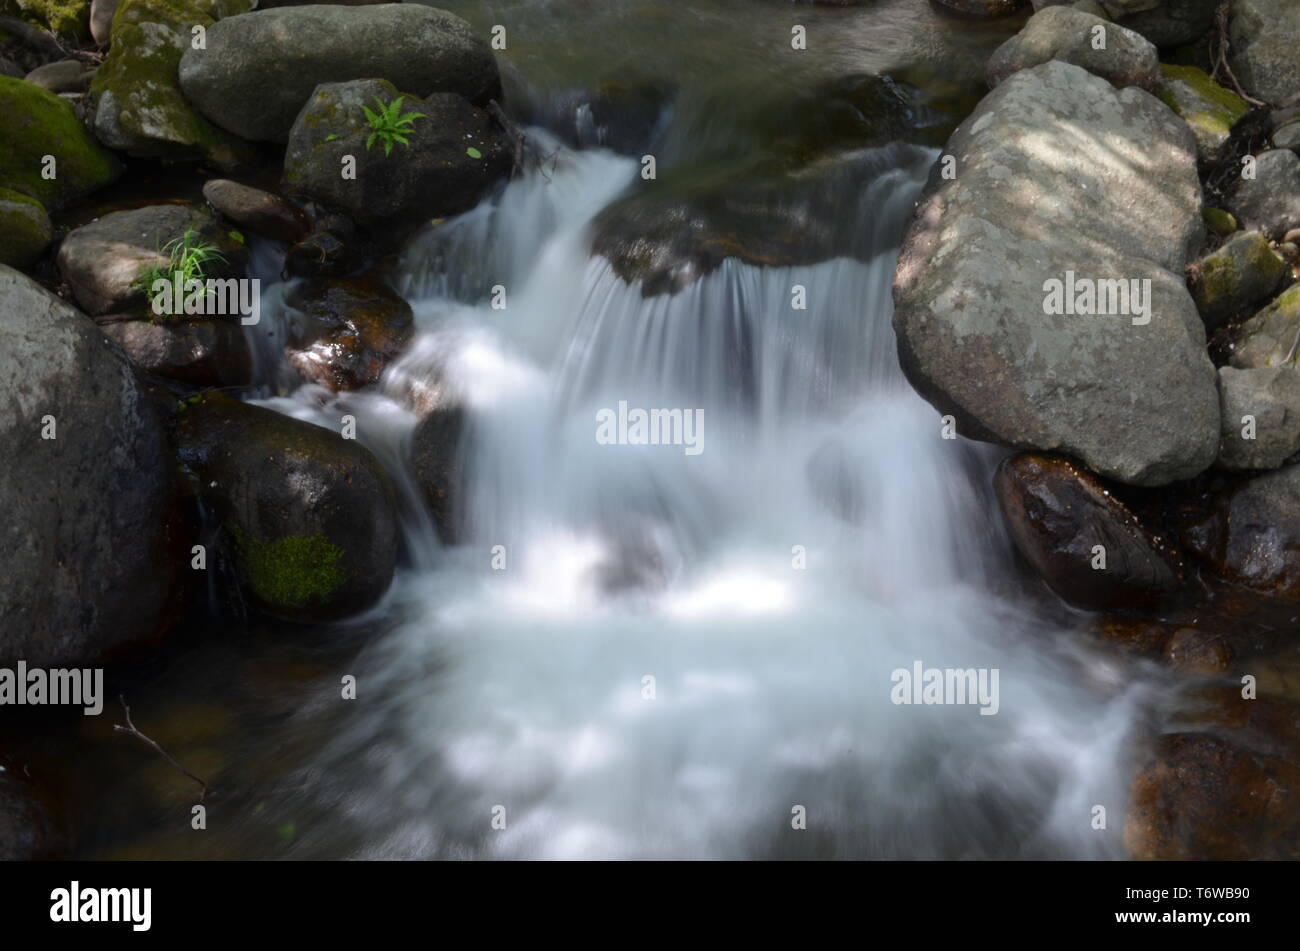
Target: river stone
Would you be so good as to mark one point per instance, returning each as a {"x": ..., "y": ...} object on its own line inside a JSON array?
[
  {"x": 1270, "y": 397},
  {"x": 456, "y": 154},
  {"x": 199, "y": 352},
  {"x": 1066, "y": 34},
  {"x": 101, "y": 20},
  {"x": 1058, "y": 171},
  {"x": 1265, "y": 37},
  {"x": 25, "y": 229},
  {"x": 1271, "y": 200},
  {"x": 38, "y": 123},
  {"x": 259, "y": 211},
  {"x": 983, "y": 9},
  {"x": 1203, "y": 104},
  {"x": 1271, "y": 337},
  {"x": 90, "y": 548},
  {"x": 435, "y": 456},
  {"x": 63, "y": 18},
  {"x": 1236, "y": 277},
  {"x": 343, "y": 333},
  {"x": 259, "y": 70},
  {"x": 1057, "y": 514},
  {"x": 310, "y": 515},
  {"x": 104, "y": 261},
  {"x": 1164, "y": 22},
  {"x": 135, "y": 99},
  {"x": 69, "y": 75}
]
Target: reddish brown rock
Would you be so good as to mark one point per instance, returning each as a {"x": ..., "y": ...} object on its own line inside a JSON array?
[{"x": 346, "y": 331}]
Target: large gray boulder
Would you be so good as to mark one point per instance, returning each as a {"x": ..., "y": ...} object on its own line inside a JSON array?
[
  {"x": 1271, "y": 200},
  {"x": 260, "y": 68},
  {"x": 88, "y": 544},
  {"x": 1261, "y": 416},
  {"x": 1069, "y": 35},
  {"x": 1060, "y": 176},
  {"x": 1265, "y": 37}
]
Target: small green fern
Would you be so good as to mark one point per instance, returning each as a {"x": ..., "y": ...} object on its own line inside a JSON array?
[{"x": 389, "y": 124}]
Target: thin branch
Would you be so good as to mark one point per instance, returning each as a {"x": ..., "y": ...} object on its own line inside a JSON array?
[
  {"x": 1221, "y": 18},
  {"x": 132, "y": 731}
]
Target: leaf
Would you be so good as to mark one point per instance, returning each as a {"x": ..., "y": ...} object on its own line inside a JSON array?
[
  {"x": 397, "y": 137},
  {"x": 473, "y": 153},
  {"x": 331, "y": 137},
  {"x": 370, "y": 139}
]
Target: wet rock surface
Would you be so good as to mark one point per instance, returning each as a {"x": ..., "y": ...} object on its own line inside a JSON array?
[{"x": 346, "y": 331}]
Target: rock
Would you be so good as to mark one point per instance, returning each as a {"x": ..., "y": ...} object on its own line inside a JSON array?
[
  {"x": 983, "y": 9},
  {"x": 1061, "y": 175},
  {"x": 321, "y": 254},
  {"x": 624, "y": 117},
  {"x": 199, "y": 352},
  {"x": 1057, "y": 514},
  {"x": 1206, "y": 797},
  {"x": 91, "y": 548},
  {"x": 259, "y": 70},
  {"x": 65, "y": 18},
  {"x": 1219, "y": 221},
  {"x": 435, "y": 456},
  {"x": 39, "y": 123},
  {"x": 343, "y": 333},
  {"x": 1288, "y": 137},
  {"x": 9, "y": 68},
  {"x": 1269, "y": 338},
  {"x": 24, "y": 828},
  {"x": 310, "y": 515},
  {"x": 69, "y": 75},
  {"x": 1066, "y": 34},
  {"x": 1236, "y": 277},
  {"x": 1250, "y": 534},
  {"x": 25, "y": 229},
  {"x": 259, "y": 211},
  {"x": 101, "y": 20},
  {"x": 1271, "y": 200},
  {"x": 1265, "y": 35},
  {"x": 456, "y": 153},
  {"x": 1193, "y": 651},
  {"x": 105, "y": 262},
  {"x": 1164, "y": 22},
  {"x": 1203, "y": 104},
  {"x": 1261, "y": 416},
  {"x": 135, "y": 101}
]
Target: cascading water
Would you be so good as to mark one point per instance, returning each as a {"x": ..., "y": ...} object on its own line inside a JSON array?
[{"x": 770, "y": 584}]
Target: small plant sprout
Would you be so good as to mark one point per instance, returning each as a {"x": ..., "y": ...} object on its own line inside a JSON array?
[
  {"x": 187, "y": 256},
  {"x": 389, "y": 124}
]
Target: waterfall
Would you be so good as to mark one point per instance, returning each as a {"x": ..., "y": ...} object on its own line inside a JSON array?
[{"x": 825, "y": 536}]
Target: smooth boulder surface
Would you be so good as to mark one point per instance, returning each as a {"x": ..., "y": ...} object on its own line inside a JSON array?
[
  {"x": 1261, "y": 416},
  {"x": 1265, "y": 36},
  {"x": 435, "y": 453},
  {"x": 104, "y": 261},
  {"x": 90, "y": 545},
  {"x": 259, "y": 211},
  {"x": 25, "y": 229},
  {"x": 310, "y": 516},
  {"x": 260, "y": 69},
  {"x": 456, "y": 154},
  {"x": 1271, "y": 200},
  {"x": 1066, "y": 34},
  {"x": 197, "y": 352},
  {"x": 1058, "y": 515},
  {"x": 343, "y": 333},
  {"x": 1058, "y": 172},
  {"x": 1163, "y": 22},
  {"x": 1210, "y": 110}
]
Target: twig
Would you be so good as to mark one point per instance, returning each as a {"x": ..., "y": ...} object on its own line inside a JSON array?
[
  {"x": 131, "y": 730},
  {"x": 494, "y": 109},
  {"x": 1221, "y": 19}
]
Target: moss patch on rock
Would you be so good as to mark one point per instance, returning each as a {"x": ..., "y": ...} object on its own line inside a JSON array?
[
  {"x": 25, "y": 229},
  {"x": 36, "y": 124},
  {"x": 1208, "y": 108},
  {"x": 70, "y": 18},
  {"x": 289, "y": 573}
]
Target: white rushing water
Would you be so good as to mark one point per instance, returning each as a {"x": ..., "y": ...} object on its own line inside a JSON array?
[{"x": 770, "y": 584}]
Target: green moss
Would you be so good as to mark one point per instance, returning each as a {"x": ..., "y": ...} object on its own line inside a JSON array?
[
  {"x": 25, "y": 229},
  {"x": 289, "y": 572},
  {"x": 70, "y": 18},
  {"x": 38, "y": 123},
  {"x": 1203, "y": 104},
  {"x": 1219, "y": 221}
]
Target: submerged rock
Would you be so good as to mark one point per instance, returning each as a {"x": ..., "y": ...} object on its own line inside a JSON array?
[
  {"x": 260, "y": 69},
  {"x": 91, "y": 550},
  {"x": 1265, "y": 35},
  {"x": 1261, "y": 416},
  {"x": 1088, "y": 547},
  {"x": 1271, "y": 200},
  {"x": 310, "y": 516},
  {"x": 343, "y": 333},
  {"x": 135, "y": 99},
  {"x": 1236, "y": 277},
  {"x": 1203, "y": 104},
  {"x": 1066, "y": 34},
  {"x": 25, "y": 229},
  {"x": 1059, "y": 177},
  {"x": 454, "y": 154},
  {"x": 38, "y": 123}
]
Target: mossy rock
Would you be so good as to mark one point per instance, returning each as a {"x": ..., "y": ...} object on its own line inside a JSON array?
[
  {"x": 1219, "y": 221},
  {"x": 1208, "y": 108},
  {"x": 136, "y": 98},
  {"x": 25, "y": 229},
  {"x": 67, "y": 18},
  {"x": 311, "y": 515},
  {"x": 1234, "y": 278},
  {"x": 36, "y": 124},
  {"x": 1268, "y": 338}
]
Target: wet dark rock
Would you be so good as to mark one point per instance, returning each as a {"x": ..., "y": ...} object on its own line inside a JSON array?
[
  {"x": 1057, "y": 515},
  {"x": 983, "y": 9},
  {"x": 321, "y": 254},
  {"x": 259, "y": 211},
  {"x": 456, "y": 153},
  {"x": 310, "y": 516},
  {"x": 260, "y": 69},
  {"x": 1066, "y": 34},
  {"x": 195, "y": 351},
  {"x": 434, "y": 457},
  {"x": 25, "y": 831},
  {"x": 343, "y": 333},
  {"x": 1163, "y": 22},
  {"x": 1194, "y": 651},
  {"x": 104, "y": 262},
  {"x": 625, "y": 117},
  {"x": 91, "y": 548}
]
